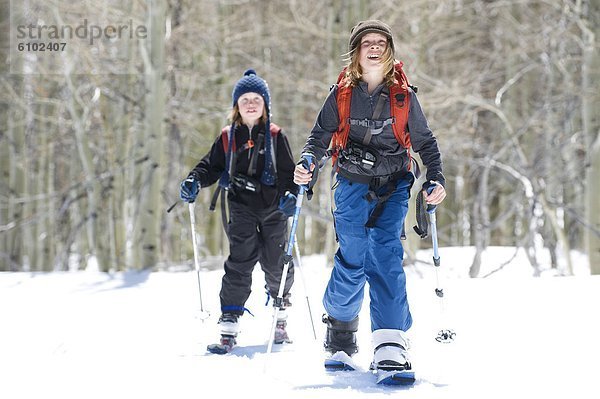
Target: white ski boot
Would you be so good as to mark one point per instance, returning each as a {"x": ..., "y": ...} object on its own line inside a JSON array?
[{"x": 391, "y": 362}]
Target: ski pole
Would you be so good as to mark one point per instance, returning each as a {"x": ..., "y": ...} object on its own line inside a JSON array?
[
  {"x": 287, "y": 260},
  {"x": 203, "y": 314},
  {"x": 444, "y": 335},
  {"x": 304, "y": 285}
]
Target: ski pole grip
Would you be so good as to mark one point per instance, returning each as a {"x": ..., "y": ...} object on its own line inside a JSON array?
[
  {"x": 431, "y": 208},
  {"x": 306, "y": 161}
]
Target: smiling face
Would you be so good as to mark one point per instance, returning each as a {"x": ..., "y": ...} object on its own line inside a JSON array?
[
  {"x": 252, "y": 107},
  {"x": 372, "y": 50}
]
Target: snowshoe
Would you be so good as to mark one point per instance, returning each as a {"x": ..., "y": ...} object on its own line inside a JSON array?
[
  {"x": 340, "y": 361},
  {"x": 396, "y": 377}
]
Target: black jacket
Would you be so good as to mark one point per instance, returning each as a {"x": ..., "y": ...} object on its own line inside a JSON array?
[
  {"x": 211, "y": 167},
  {"x": 393, "y": 158}
]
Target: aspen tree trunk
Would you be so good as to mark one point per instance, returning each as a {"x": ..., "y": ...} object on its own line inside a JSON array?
[
  {"x": 5, "y": 221},
  {"x": 39, "y": 207},
  {"x": 16, "y": 135},
  {"x": 463, "y": 225},
  {"x": 27, "y": 195},
  {"x": 124, "y": 200},
  {"x": 481, "y": 221},
  {"x": 591, "y": 128},
  {"x": 513, "y": 108},
  {"x": 11, "y": 256},
  {"x": 553, "y": 233},
  {"x": 147, "y": 230},
  {"x": 17, "y": 182},
  {"x": 115, "y": 133},
  {"x": 51, "y": 229},
  {"x": 92, "y": 187}
]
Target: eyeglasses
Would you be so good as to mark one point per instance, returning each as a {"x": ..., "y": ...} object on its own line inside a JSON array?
[{"x": 253, "y": 100}]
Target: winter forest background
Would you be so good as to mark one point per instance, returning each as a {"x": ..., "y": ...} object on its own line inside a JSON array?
[{"x": 94, "y": 140}]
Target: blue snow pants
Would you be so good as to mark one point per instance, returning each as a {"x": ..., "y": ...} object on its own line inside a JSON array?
[{"x": 369, "y": 254}]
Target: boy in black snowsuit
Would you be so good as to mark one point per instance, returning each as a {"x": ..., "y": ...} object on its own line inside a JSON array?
[{"x": 257, "y": 172}]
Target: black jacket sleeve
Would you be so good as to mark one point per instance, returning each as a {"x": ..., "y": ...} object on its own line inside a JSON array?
[
  {"x": 325, "y": 126},
  {"x": 211, "y": 167},
  {"x": 424, "y": 142},
  {"x": 285, "y": 166}
]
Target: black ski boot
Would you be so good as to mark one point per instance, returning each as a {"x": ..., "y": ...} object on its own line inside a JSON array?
[
  {"x": 341, "y": 335},
  {"x": 340, "y": 342}
]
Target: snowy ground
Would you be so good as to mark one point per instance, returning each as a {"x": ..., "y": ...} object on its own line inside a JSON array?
[{"x": 91, "y": 335}]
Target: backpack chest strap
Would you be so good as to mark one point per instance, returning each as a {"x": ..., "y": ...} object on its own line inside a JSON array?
[
  {"x": 376, "y": 126},
  {"x": 376, "y": 113}
]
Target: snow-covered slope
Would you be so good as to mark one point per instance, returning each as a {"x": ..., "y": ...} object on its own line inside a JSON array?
[{"x": 139, "y": 335}]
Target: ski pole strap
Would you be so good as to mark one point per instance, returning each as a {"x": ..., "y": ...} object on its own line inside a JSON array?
[
  {"x": 421, "y": 215},
  {"x": 215, "y": 198},
  {"x": 224, "y": 218},
  {"x": 213, "y": 205}
]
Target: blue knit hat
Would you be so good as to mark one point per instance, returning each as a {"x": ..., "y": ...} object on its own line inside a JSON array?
[{"x": 252, "y": 83}]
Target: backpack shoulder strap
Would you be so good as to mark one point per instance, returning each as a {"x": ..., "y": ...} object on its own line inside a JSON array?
[
  {"x": 344, "y": 101},
  {"x": 225, "y": 138},
  {"x": 400, "y": 106},
  {"x": 275, "y": 130},
  {"x": 220, "y": 190}
]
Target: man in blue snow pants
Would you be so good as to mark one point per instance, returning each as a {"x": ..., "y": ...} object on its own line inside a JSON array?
[{"x": 371, "y": 119}]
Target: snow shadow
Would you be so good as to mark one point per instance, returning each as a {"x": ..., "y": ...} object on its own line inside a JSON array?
[
  {"x": 118, "y": 281},
  {"x": 365, "y": 382},
  {"x": 250, "y": 351}
]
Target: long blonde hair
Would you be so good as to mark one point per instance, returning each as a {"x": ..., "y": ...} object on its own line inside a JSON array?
[{"x": 354, "y": 70}]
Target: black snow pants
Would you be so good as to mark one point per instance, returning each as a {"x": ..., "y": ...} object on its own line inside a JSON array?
[{"x": 254, "y": 235}]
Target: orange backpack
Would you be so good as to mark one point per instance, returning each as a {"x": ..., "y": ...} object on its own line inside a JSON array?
[{"x": 399, "y": 104}]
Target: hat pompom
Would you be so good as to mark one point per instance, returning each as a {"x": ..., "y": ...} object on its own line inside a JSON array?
[{"x": 249, "y": 72}]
